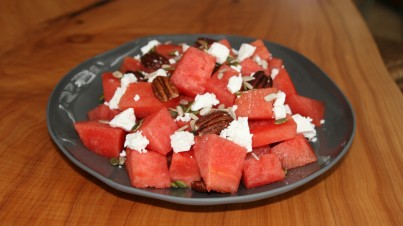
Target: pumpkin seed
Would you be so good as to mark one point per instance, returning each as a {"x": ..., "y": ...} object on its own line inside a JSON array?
[
  {"x": 280, "y": 121},
  {"x": 173, "y": 185},
  {"x": 114, "y": 161},
  {"x": 181, "y": 184}
]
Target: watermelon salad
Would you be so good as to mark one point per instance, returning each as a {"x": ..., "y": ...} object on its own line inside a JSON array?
[{"x": 202, "y": 116}]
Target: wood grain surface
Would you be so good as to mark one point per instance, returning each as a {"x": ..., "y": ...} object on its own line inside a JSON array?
[{"x": 42, "y": 40}]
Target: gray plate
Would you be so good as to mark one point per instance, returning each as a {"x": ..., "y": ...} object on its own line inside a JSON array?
[{"x": 79, "y": 90}]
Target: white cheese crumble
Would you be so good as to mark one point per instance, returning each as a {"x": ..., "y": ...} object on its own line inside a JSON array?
[
  {"x": 122, "y": 153},
  {"x": 274, "y": 73},
  {"x": 159, "y": 72},
  {"x": 126, "y": 80},
  {"x": 114, "y": 101},
  {"x": 245, "y": 51},
  {"x": 185, "y": 47},
  {"x": 238, "y": 132},
  {"x": 206, "y": 100},
  {"x": 151, "y": 44},
  {"x": 136, "y": 97},
  {"x": 137, "y": 57},
  {"x": 288, "y": 109},
  {"x": 305, "y": 126},
  {"x": 219, "y": 51},
  {"x": 185, "y": 118},
  {"x": 279, "y": 109},
  {"x": 136, "y": 141},
  {"x": 322, "y": 121},
  {"x": 235, "y": 84},
  {"x": 182, "y": 141},
  {"x": 172, "y": 61},
  {"x": 125, "y": 120}
]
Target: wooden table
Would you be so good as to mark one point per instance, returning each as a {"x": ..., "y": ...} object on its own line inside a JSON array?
[{"x": 40, "y": 42}]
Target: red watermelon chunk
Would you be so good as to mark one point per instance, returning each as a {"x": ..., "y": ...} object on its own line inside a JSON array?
[
  {"x": 131, "y": 65},
  {"x": 101, "y": 138},
  {"x": 307, "y": 107},
  {"x": 218, "y": 86},
  {"x": 268, "y": 132},
  {"x": 157, "y": 127},
  {"x": 109, "y": 84},
  {"x": 220, "y": 162},
  {"x": 146, "y": 105},
  {"x": 102, "y": 112},
  {"x": 184, "y": 167},
  {"x": 148, "y": 169},
  {"x": 261, "y": 50},
  {"x": 294, "y": 152},
  {"x": 168, "y": 50},
  {"x": 276, "y": 63},
  {"x": 249, "y": 67},
  {"x": 193, "y": 71},
  {"x": 252, "y": 104},
  {"x": 264, "y": 170},
  {"x": 283, "y": 82}
]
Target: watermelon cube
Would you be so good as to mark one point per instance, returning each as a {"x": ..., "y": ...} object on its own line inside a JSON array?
[
  {"x": 146, "y": 105},
  {"x": 252, "y": 104},
  {"x": 102, "y": 112},
  {"x": 283, "y": 82},
  {"x": 264, "y": 170},
  {"x": 294, "y": 152},
  {"x": 168, "y": 50},
  {"x": 157, "y": 127},
  {"x": 131, "y": 65},
  {"x": 268, "y": 132},
  {"x": 308, "y": 107},
  {"x": 220, "y": 162},
  {"x": 184, "y": 167},
  {"x": 149, "y": 169},
  {"x": 193, "y": 71},
  {"x": 101, "y": 138},
  {"x": 218, "y": 85},
  {"x": 261, "y": 50},
  {"x": 249, "y": 67},
  {"x": 109, "y": 84}
]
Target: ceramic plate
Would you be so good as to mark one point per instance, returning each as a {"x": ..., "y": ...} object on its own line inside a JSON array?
[{"x": 80, "y": 89}]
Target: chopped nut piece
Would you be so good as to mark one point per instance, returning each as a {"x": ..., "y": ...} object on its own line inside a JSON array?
[
  {"x": 198, "y": 186},
  {"x": 164, "y": 89},
  {"x": 213, "y": 123},
  {"x": 261, "y": 80}
]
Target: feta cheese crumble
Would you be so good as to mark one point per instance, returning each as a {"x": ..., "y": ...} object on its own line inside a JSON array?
[
  {"x": 206, "y": 100},
  {"x": 136, "y": 141},
  {"x": 279, "y": 109},
  {"x": 305, "y": 126},
  {"x": 245, "y": 51},
  {"x": 151, "y": 44},
  {"x": 159, "y": 72},
  {"x": 237, "y": 68},
  {"x": 261, "y": 62},
  {"x": 185, "y": 118},
  {"x": 125, "y": 120},
  {"x": 182, "y": 141},
  {"x": 136, "y": 97},
  {"x": 238, "y": 132},
  {"x": 126, "y": 80},
  {"x": 185, "y": 47},
  {"x": 219, "y": 51},
  {"x": 114, "y": 101},
  {"x": 235, "y": 84},
  {"x": 274, "y": 73}
]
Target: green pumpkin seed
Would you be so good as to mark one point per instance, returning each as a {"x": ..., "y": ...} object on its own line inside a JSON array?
[
  {"x": 181, "y": 184},
  {"x": 173, "y": 185},
  {"x": 280, "y": 121},
  {"x": 114, "y": 161}
]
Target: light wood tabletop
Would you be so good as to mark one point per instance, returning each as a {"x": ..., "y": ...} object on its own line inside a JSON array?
[{"x": 41, "y": 41}]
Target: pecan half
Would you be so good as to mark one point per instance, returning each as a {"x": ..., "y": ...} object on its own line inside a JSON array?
[
  {"x": 213, "y": 123},
  {"x": 261, "y": 80},
  {"x": 164, "y": 89},
  {"x": 198, "y": 186}
]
